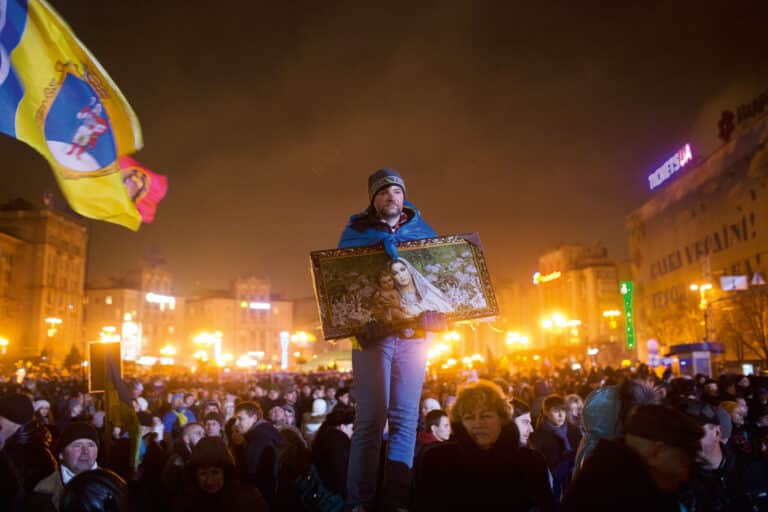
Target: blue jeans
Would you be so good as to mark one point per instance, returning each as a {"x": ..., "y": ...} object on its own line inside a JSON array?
[{"x": 388, "y": 377}]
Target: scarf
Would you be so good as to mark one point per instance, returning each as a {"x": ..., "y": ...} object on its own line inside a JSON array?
[{"x": 561, "y": 432}]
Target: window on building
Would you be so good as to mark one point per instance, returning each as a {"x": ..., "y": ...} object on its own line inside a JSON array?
[{"x": 108, "y": 299}]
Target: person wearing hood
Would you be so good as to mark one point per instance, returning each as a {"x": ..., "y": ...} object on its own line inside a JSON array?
[
  {"x": 641, "y": 471},
  {"x": 211, "y": 482},
  {"x": 483, "y": 466},
  {"x": 15, "y": 411},
  {"x": 27, "y": 441},
  {"x": 605, "y": 412},
  {"x": 258, "y": 460},
  {"x": 388, "y": 361}
]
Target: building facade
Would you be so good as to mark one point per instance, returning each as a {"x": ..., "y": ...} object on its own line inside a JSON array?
[
  {"x": 704, "y": 229},
  {"x": 249, "y": 319},
  {"x": 578, "y": 292},
  {"x": 140, "y": 307},
  {"x": 42, "y": 273}
]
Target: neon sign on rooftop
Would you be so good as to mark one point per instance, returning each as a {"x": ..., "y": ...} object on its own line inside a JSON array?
[{"x": 683, "y": 156}]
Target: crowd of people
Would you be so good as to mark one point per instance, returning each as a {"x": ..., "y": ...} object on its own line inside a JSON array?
[{"x": 570, "y": 440}]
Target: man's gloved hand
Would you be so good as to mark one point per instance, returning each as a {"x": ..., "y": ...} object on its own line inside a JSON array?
[
  {"x": 376, "y": 330},
  {"x": 433, "y": 321}
]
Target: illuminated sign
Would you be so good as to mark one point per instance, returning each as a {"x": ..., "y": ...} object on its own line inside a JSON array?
[
  {"x": 626, "y": 288},
  {"x": 671, "y": 166},
  {"x": 538, "y": 278},
  {"x": 260, "y": 305},
  {"x": 162, "y": 300}
]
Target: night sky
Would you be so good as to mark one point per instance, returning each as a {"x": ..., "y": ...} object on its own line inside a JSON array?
[{"x": 532, "y": 125}]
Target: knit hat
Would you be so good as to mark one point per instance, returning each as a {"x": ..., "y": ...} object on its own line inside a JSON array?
[
  {"x": 16, "y": 407},
  {"x": 39, "y": 404},
  {"x": 143, "y": 404},
  {"x": 661, "y": 423},
  {"x": 74, "y": 431},
  {"x": 384, "y": 178},
  {"x": 519, "y": 407},
  {"x": 430, "y": 404},
  {"x": 211, "y": 451},
  {"x": 702, "y": 412},
  {"x": 319, "y": 407}
]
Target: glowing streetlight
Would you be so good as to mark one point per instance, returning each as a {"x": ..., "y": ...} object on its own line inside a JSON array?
[
  {"x": 451, "y": 336},
  {"x": 703, "y": 288},
  {"x": 168, "y": 350},
  {"x": 302, "y": 337},
  {"x": 3, "y": 345},
  {"x": 52, "y": 322},
  {"x": 515, "y": 338}
]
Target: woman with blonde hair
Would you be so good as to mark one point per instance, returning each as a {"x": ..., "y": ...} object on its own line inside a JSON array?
[
  {"x": 573, "y": 407},
  {"x": 483, "y": 464}
]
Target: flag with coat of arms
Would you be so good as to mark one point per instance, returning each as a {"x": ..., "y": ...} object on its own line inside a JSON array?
[{"x": 56, "y": 97}]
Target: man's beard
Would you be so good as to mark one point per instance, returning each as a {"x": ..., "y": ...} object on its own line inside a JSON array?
[{"x": 390, "y": 211}]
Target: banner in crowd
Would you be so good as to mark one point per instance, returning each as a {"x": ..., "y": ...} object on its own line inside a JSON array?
[{"x": 120, "y": 412}]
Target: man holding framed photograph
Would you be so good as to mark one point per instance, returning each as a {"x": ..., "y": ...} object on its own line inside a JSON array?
[{"x": 389, "y": 359}]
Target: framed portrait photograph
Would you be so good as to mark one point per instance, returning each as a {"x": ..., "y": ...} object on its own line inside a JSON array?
[{"x": 446, "y": 274}]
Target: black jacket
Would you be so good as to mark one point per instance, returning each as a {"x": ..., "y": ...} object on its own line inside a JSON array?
[
  {"x": 29, "y": 449},
  {"x": 330, "y": 455},
  {"x": 258, "y": 461},
  {"x": 232, "y": 497},
  {"x": 559, "y": 461},
  {"x": 731, "y": 486},
  {"x": 615, "y": 477},
  {"x": 458, "y": 474}
]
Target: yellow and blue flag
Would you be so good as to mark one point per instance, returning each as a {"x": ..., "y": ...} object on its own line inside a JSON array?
[
  {"x": 57, "y": 98},
  {"x": 120, "y": 413}
]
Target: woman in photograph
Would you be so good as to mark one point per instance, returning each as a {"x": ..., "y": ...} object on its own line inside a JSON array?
[{"x": 417, "y": 294}]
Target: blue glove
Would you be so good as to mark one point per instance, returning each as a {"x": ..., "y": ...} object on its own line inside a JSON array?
[{"x": 433, "y": 321}]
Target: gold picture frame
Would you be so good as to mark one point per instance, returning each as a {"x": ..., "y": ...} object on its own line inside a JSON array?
[{"x": 446, "y": 274}]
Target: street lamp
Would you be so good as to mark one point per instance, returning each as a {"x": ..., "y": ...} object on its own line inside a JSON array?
[
  {"x": 557, "y": 323},
  {"x": 703, "y": 303},
  {"x": 3, "y": 345},
  {"x": 52, "y": 322}
]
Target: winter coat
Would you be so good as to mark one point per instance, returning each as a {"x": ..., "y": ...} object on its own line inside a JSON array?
[
  {"x": 559, "y": 461},
  {"x": 258, "y": 461},
  {"x": 457, "y": 474},
  {"x": 731, "y": 486},
  {"x": 47, "y": 494},
  {"x": 11, "y": 487},
  {"x": 234, "y": 496},
  {"x": 173, "y": 469},
  {"x": 330, "y": 455},
  {"x": 615, "y": 477},
  {"x": 29, "y": 449},
  {"x": 604, "y": 413}
]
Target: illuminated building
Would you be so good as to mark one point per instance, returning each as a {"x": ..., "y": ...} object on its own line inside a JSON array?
[
  {"x": 580, "y": 283},
  {"x": 248, "y": 316},
  {"x": 42, "y": 269},
  {"x": 141, "y": 305},
  {"x": 705, "y": 225}
]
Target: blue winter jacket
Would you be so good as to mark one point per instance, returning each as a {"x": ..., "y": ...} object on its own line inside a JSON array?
[{"x": 363, "y": 230}]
